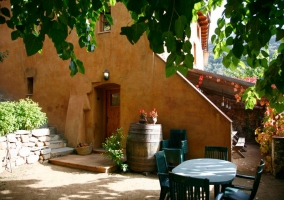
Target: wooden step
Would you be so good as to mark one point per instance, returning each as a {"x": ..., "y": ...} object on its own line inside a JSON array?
[{"x": 94, "y": 162}]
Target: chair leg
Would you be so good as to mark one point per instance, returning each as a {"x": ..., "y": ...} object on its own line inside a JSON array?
[{"x": 163, "y": 193}]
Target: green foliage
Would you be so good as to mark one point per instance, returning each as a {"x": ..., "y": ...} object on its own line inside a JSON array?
[
  {"x": 114, "y": 149},
  {"x": 7, "y": 118},
  {"x": 243, "y": 32},
  {"x": 22, "y": 115},
  {"x": 273, "y": 125}
]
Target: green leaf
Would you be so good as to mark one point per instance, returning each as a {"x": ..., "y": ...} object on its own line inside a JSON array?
[
  {"x": 82, "y": 41},
  {"x": 182, "y": 69},
  {"x": 179, "y": 59},
  {"x": 264, "y": 53},
  {"x": 226, "y": 62},
  {"x": 171, "y": 58},
  {"x": 33, "y": 44},
  {"x": 279, "y": 34},
  {"x": 15, "y": 35},
  {"x": 238, "y": 48},
  {"x": 229, "y": 41},
  {"x": 180, "y": 24},
  {"x": 112, "y": 2},
  {"x": 281, "y": 47},
  {"x": 170, "y": 70},
  {"x": 5, "y": 12},
  {"x": 187, "y": 46},
  {"x": 137, "y": 31},
  {"x": 213, "y": 39},
  {"x": 188, "y": 61},
  {"x": 97, "y": 4},
  {"x": 228, "y": 31},
  {"x": 128, "y": 32},
  {"x": 188, "y": 31},
  {"x": 73, "y": 68},
  {"x": 170, "y": 41},
  {"x": 2, "y": 20},
  {"x": 80, "y": 66}
]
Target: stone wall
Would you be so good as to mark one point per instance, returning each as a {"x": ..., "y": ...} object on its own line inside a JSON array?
[
  {"x": 278, "y": 157},
  {"x": 245, "y": 121},
  {"x": 24, "y": 147}
]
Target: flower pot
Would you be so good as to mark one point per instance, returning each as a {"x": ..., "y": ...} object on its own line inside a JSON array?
[
  {"x": 152, "y": 120},
  {"x": 142, "y": 121}
]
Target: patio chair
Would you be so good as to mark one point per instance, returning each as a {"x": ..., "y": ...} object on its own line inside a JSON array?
[
  {"x": 235, "y": 192},
  {"x": 216, "y": 152},
  {"x": 177, "y": 141},
  {"x": 190, "y": 188},
  {"x": 163, "y": 174},
  {"x": 173, "y": 156}
]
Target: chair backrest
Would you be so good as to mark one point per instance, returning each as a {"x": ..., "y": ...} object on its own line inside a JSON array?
[
  {"x": 257, "y": 179},
  {"x": 161, "y": 162},
  {"x": 217, "y": 152},
  {"x": 162, "y": 167},
  {"x": 184, "y": 187},
  {"x": 173, "y": 156},
  {"x": 176, "y": 136}
]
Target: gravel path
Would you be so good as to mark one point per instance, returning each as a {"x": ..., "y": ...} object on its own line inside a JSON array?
[{"x": 51, "y": 182}]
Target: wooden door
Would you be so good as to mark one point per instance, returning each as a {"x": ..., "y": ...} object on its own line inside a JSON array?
[{"x": 112, "y": 111}]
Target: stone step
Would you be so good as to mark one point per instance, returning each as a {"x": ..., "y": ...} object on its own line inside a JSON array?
[
  {"x": 52, "y": 129},
  {"x": 58, "y": 144},
  {"x": 64, "y": 151},
  {"x": 54, "y": 137}
]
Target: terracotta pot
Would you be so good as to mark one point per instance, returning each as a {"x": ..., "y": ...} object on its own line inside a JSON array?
[{"x": 142, "y": 120}]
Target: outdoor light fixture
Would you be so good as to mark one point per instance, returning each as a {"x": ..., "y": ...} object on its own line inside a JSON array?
[
  {"x": 222, "y": 103},
  {"x": 106, "y": 74}
]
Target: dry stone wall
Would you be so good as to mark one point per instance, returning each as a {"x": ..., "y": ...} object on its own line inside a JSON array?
[{"x": 24, "y": 147}]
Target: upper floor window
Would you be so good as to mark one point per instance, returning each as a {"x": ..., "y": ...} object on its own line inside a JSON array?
[
  {"x": 30, "y": 85},
  {"x": 104, "y": 22}
]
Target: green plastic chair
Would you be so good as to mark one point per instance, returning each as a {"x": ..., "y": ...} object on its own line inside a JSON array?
[
  {"x": 190, "y": 188},
  {"x": 217, "y": 152},
  {"x": 177, "y": 141},
  {"x": 236, "y": 192},
  {"x": 173, "y": 156},
  {"x": 163, "y": 174}
]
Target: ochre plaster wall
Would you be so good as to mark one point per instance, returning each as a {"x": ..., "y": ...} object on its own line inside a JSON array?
[{"x": 76, "y": 104}]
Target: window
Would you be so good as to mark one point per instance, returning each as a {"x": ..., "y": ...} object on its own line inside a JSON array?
[
  {"x": 115, "y": 99},
  {"x": 30, "y": 82},
  {"x": 105, "y": 25}
]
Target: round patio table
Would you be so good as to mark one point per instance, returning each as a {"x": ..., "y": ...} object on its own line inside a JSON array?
[{"x": 217, "y": 171}]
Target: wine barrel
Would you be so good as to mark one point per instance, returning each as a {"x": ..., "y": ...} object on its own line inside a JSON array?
[{"x": 143, "y": 142}]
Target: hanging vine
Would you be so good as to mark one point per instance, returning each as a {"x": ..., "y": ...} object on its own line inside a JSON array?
[{"x": 273, "y": 125}]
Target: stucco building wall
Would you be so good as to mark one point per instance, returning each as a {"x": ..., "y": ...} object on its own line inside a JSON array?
[{"x": 76, "y": 105}]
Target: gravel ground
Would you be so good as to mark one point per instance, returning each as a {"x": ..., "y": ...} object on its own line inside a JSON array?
[{"x": 52, "y": 182}]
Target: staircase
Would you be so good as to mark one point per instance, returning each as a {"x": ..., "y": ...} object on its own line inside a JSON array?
[{"x": 58, "y": 144}]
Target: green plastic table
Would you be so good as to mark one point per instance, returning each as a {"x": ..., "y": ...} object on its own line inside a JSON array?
[{"x": 217, "y": 171}]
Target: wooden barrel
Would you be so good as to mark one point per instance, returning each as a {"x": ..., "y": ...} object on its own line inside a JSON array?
[{"x": 143, "y": 142}]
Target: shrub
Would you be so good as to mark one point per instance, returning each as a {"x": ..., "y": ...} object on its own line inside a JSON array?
[
  {"x": 7, "y": 118},
  {"x": 273, "y": 125},
  {"x": 22, "y": 115},
  {"x": 114, "y": 149}
]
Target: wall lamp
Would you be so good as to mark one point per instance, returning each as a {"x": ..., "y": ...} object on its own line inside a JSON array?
[{"x": 106, "y": 74}]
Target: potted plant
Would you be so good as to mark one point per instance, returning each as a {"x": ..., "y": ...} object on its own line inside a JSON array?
[
  {"x": 152, "y": 119},
  {"x": 114, "y": 149},
  {"x": 142, "y": 116}
]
